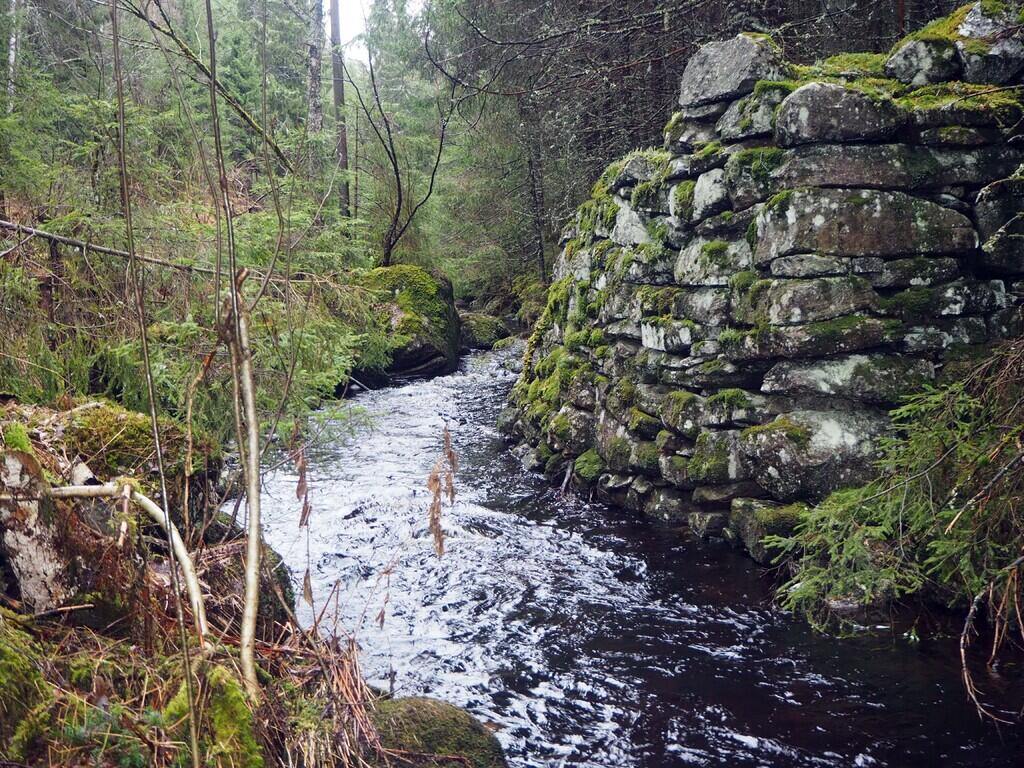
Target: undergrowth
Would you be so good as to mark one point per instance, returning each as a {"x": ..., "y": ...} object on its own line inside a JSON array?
[{"x": 944, "y": 518}]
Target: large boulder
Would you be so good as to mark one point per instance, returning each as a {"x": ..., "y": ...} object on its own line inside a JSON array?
[
  {"x": 852, "y": 222},
  {"x": 419, "y": 310},
  {"x": 724, "y": 70},
  {"x": 880, "y": 379},
  {"x": 819, "y": 112},
  {"x": 990, "y": 43},
  {"x": 809, "y": 454},
  {"x": 924, "y": 61}
]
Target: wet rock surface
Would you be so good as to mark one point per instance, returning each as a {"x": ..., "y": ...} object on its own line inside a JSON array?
[{"x": 811, "y": 245}]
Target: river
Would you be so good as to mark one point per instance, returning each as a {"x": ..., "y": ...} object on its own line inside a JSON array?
[{"x": 588, "y": 637}]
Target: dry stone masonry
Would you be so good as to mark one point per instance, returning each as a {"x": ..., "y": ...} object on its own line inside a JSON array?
[{"x": 733, "y": 316}]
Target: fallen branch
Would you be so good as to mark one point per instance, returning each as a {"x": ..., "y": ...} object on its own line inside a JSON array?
[{"x": 87, "y": 246}]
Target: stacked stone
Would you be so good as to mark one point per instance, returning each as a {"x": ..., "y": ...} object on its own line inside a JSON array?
[{"x": 735, "y": 315}]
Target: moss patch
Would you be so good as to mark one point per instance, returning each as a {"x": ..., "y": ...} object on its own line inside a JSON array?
[
  {"x": 232, "y": 738},
  {"x": 16, "y": 438},
  {"x": 480, "y": 331},
  {"x": 430, "y": 727},
  {"x": 589, "y": 466},
  {"x": 22, "y": 686},
  {"x": 795, "y": 433}
]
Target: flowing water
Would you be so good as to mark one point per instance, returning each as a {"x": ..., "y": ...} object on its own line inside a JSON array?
[{"x": 587, "y": 637}]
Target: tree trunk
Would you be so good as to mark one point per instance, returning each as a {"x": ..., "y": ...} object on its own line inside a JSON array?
[
  {"x": 12, "y": 55},
  {"x": 314, "y": 103},
  {"x": 535, "y": 168},
  {"x": 338, "y": 77}
]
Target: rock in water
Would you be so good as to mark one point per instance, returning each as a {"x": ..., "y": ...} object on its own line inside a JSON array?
[
  {"x": 431, "y": 728},
  {"x": 419, "y": 310},
  {"x": 479, "y": 331}
]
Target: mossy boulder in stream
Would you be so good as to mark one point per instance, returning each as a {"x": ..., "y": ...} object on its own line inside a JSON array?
[
  {"x": 418, "y": 308},
  {"x": 479, "y": 331},
  {"x": 436, "y": 733}
]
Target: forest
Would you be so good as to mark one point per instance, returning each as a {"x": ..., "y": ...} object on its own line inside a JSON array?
[{"x": 731, "y": 279}]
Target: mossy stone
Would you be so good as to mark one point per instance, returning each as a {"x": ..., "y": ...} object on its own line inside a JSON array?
[
  {"x": 435, "y": 731},
  {"x": 589, "y": 466},
  {"x": 479, "y": 331},
  {"x": 419, "y": 309},
  {"x": 22, "y": 686},
  {"x": 232, "y": 731}
]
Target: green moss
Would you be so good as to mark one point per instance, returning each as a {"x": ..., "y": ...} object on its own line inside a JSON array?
[
  {"x": 645, "y": 195},
  {"x": 232, "y": 736},
  {"x": 863, "y": 64},
  {"x": 672, "y": 127},
  {"x": 22, "y": 687},
  {"x": 682, "y": 196},
  {"x": 759, "y": 162},
  {"x": 710, "y": 461},
  {"x": 617, "y": 453},
  {"x": 779, "y": 202},
  {"x": 730, "y": 398},
  {"x": 622, "y": 395},
  {"x": 782, "y": 88},
  {"x": 797, "y": 434},
  {"x": 731, "y": 338},
  {"x": 1003, "y": 106},
  {"x": 751, "y": 235},
  {"x": 677, "y": 403},
  {"x": 715, "y": 252},
  {"x": 780, "y": 521},
  {"x": 16, "y": 437},
  {"x": 657, "y": 229},
  {"x": 762, "y": 37},
  {"x": 708, "y": 150},
  {"x": 911, "y": 304},
  {"x": 679, "y": 411},
  {"x": 589, "y": 466},
  {"x": 577, "y": 340},
  {"x": 481, "y": 331},
  {"x": 427, "y": 727},
  {"x": 835, "y": 330},
  {"x": 663, "y": 439},
  {"x": 559, "y": 427},
  {"x": 642, "y": 422},
  {"x": 119, "y": 442},
  {"x": 603, "y": 185},
  {"x": 597, "y": 337},
  {"x": 424, "y": 301},
  {"x": 946, "y": 30},
  {"x": 741, "y": 281},
  {"x": 505, "y": 343},
  {"x": 646, "y": 457}
]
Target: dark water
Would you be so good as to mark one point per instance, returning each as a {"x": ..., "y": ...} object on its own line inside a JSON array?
[{"x": 587, "y": 637}]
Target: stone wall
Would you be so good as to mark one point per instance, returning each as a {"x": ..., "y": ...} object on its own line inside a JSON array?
[{"x": 734, "y": 315}]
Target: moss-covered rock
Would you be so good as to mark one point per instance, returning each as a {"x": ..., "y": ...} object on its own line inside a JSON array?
[
  {"x": 435, "y": 732},
  {"x": 418, "y": 308},
  {"x": 479, "y": 331},
  {"x": 231, "y": 730}
]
